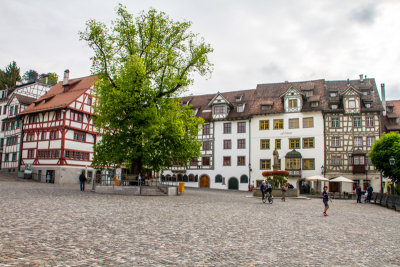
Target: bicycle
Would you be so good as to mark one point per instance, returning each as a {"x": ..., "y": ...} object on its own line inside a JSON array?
[{"x": 270, "y": 198}]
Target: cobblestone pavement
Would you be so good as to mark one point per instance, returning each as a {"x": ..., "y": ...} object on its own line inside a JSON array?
[{"x": 57, "y": 225}]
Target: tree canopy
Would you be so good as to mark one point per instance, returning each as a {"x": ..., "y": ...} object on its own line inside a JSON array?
[
  {"x": 9, "y": 76},
  {"x": 49, "y": 78},
  {"x": 382, "y": 150},
  {"x": 31, "y": 76},
  {"x": 143, "y": 64}
]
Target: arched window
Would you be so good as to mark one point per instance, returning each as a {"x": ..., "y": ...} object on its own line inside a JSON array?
[
  {"x": 185, "y": 178},
  {"x": 191, "y": 177},
  {"x": 168, "y": 177},
  {"x": 196, "y": 178},
  {"x": 244, "y": 179},
  {"x": 218, "y": 178},
  {"x": 162, "y": 178},
  {"x": 180, "y": 177},
  {"x": 173, "y": 178}
]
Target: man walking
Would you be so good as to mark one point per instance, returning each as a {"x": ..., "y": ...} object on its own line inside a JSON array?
[
  {"x": 358, "y": 192},
  {"x": 369, "y": 196},
  {"x": 82, "y": 180}
]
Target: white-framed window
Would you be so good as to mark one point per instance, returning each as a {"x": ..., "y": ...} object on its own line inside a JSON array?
[
  {"x": 292, "y": 103},
  {"x": 336, "y": 160},
  {"x": 335, "y": 122},
  {"x": 358, "y": 141},
  {"x": 219, "y": 109},
  {"x": 370, "y": 140},
  {"x": 352, "y": 104},
  {"x": 357, "y": 122},
  {"x": 335, "y": 142},
  {"x": 370, "y": 121}
]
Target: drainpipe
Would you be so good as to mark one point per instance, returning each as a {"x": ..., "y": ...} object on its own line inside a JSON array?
[
  {"x": 20, "y": 144},
  {"x": 249, "y": 153}
]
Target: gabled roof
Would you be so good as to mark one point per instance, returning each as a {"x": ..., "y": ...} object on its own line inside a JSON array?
[
  {"x": 59, "y": 96},
  {"x": 387, "y": 124},
  {"x": 23, "y": 99}
]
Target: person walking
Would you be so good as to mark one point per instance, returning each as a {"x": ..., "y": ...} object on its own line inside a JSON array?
[
  {"x": 325, "y": 199},
  {"x": 358, "y": 192},
  {"x": 263, "y": 189},
  {"x": 284, "y": 189},
  {"x": 369, "y": 190},
  {"x": 82, "y": 180}
]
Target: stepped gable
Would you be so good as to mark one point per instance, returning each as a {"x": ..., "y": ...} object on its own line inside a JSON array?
[
  {"x": 367, "y": 86},
  {"x": 60, "y": 96},
  {"x": 271, "y": 94}
]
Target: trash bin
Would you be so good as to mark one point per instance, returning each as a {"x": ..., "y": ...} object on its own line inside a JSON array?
[{"x": 181, "y": 187}]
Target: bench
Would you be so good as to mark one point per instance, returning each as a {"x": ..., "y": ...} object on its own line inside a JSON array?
[
  {"x": 390, "y": 203},
  {"x": 384, "y": 200}
]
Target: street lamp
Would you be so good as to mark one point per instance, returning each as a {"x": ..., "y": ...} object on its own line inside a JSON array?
[
  {"x": 323, "y": 170},
  {"x": 392, "y": 161},
  {"x": 366, "y": 173}
]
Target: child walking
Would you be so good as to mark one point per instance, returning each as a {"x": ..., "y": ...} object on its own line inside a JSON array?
[{"x": 325, "y": 199}]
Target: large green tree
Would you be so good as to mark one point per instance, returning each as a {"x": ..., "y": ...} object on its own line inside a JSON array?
[
  {"x": 9, "y": 76},
  {"x": 143, "y": 64},
  {"x": 382, "y": 150}
]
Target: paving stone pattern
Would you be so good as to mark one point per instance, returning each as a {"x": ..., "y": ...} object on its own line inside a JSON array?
[{"x": 57, "y": 225}]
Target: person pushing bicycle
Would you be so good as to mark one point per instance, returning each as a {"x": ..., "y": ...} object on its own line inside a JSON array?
[{"x": 263, "y": 189}]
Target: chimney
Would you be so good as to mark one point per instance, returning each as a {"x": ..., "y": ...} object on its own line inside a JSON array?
[
  {"x": 348, "y": 82},
  {"x": 66, "y": 78},
  {"x": 361, "y": 78},
  {"x": 383, "y": 98}
]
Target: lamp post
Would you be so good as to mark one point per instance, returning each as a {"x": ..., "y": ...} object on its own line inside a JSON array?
[
  {"x": 322, "y": 172},
  {"x": 392, "y": 161},
  {"x": 366, "y": 174}
]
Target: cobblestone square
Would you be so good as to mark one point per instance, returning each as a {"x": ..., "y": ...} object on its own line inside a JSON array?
[{"x": 57, "y": 225}]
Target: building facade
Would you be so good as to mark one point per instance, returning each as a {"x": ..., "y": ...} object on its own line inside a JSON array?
[
  {"x": 17, "y": 99},
  {"x": 352, "y": 122},
  {"x": 58, "y": 132}
]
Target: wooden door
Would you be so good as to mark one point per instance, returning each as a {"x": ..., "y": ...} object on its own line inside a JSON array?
[
  {"x": 233, "y": 184},
  {"x": 204, "y": 181}
]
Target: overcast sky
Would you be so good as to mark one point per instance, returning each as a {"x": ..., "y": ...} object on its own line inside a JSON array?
[{"x": 254, "y": 41}]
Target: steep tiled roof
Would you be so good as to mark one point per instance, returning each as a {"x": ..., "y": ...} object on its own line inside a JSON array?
[
  {"x": 271, "y": 95},
  {"x": 365, "y": 86},
  {"x": 59, "y": 96},
  {"x": 25, "y": 99},
  {"x": 395, "y": 115}
]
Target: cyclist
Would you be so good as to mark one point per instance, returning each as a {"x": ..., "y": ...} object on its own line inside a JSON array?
[{"x": 263, "y": 189}]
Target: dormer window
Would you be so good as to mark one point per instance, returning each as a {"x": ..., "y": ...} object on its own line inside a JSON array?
[
  {"x": 219, "y": 109},
  {"x": 334, "y": 106},
  {"x": 314, "y": 104},
  {"x": 352, "y": 104},
  {"x": 292, "y": 103},
  {"x": 389, "y": 108},
  {"x": 240, "y": 108},
  {"x": 333, "y": 94},
  {"x": 238, "y": 98},
  {"x": 309, "y": 93},
  {"x": 368, "y": 105},
  {"x": 266, "y": 107}
]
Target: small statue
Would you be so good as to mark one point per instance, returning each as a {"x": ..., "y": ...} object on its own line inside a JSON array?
[{"x": 276, "y": 159}]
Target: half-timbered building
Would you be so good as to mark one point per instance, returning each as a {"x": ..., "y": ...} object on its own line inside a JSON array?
[
  {"x": 352, "y": 112},
  {"x": 59, "y": 133},
  {"x": 16, "y": 100}
]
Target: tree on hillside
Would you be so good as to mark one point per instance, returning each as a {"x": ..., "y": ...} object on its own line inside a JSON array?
[
  {"x": 9, "y": 76},
  {"x": 30, "y": 76},
  {"x": 49, "y": 78},
  {"x": 382, "y": 150},
  {"x": 143, "y": 65}
]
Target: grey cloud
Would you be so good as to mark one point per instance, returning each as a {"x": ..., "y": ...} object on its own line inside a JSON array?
[{"x": 364, "y": 14}]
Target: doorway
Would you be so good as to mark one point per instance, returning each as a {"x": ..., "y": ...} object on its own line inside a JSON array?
[
  {"x": 204, "y": 181},
  {"x": 233, "y": 183}
]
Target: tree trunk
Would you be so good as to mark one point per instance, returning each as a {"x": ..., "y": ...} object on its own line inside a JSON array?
[{"x": 137, "y": 166}]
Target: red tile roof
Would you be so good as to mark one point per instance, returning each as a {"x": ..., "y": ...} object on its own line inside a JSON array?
[
  {"x": 59, "y": 96},
  {"x": 388, "y": 125}
]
